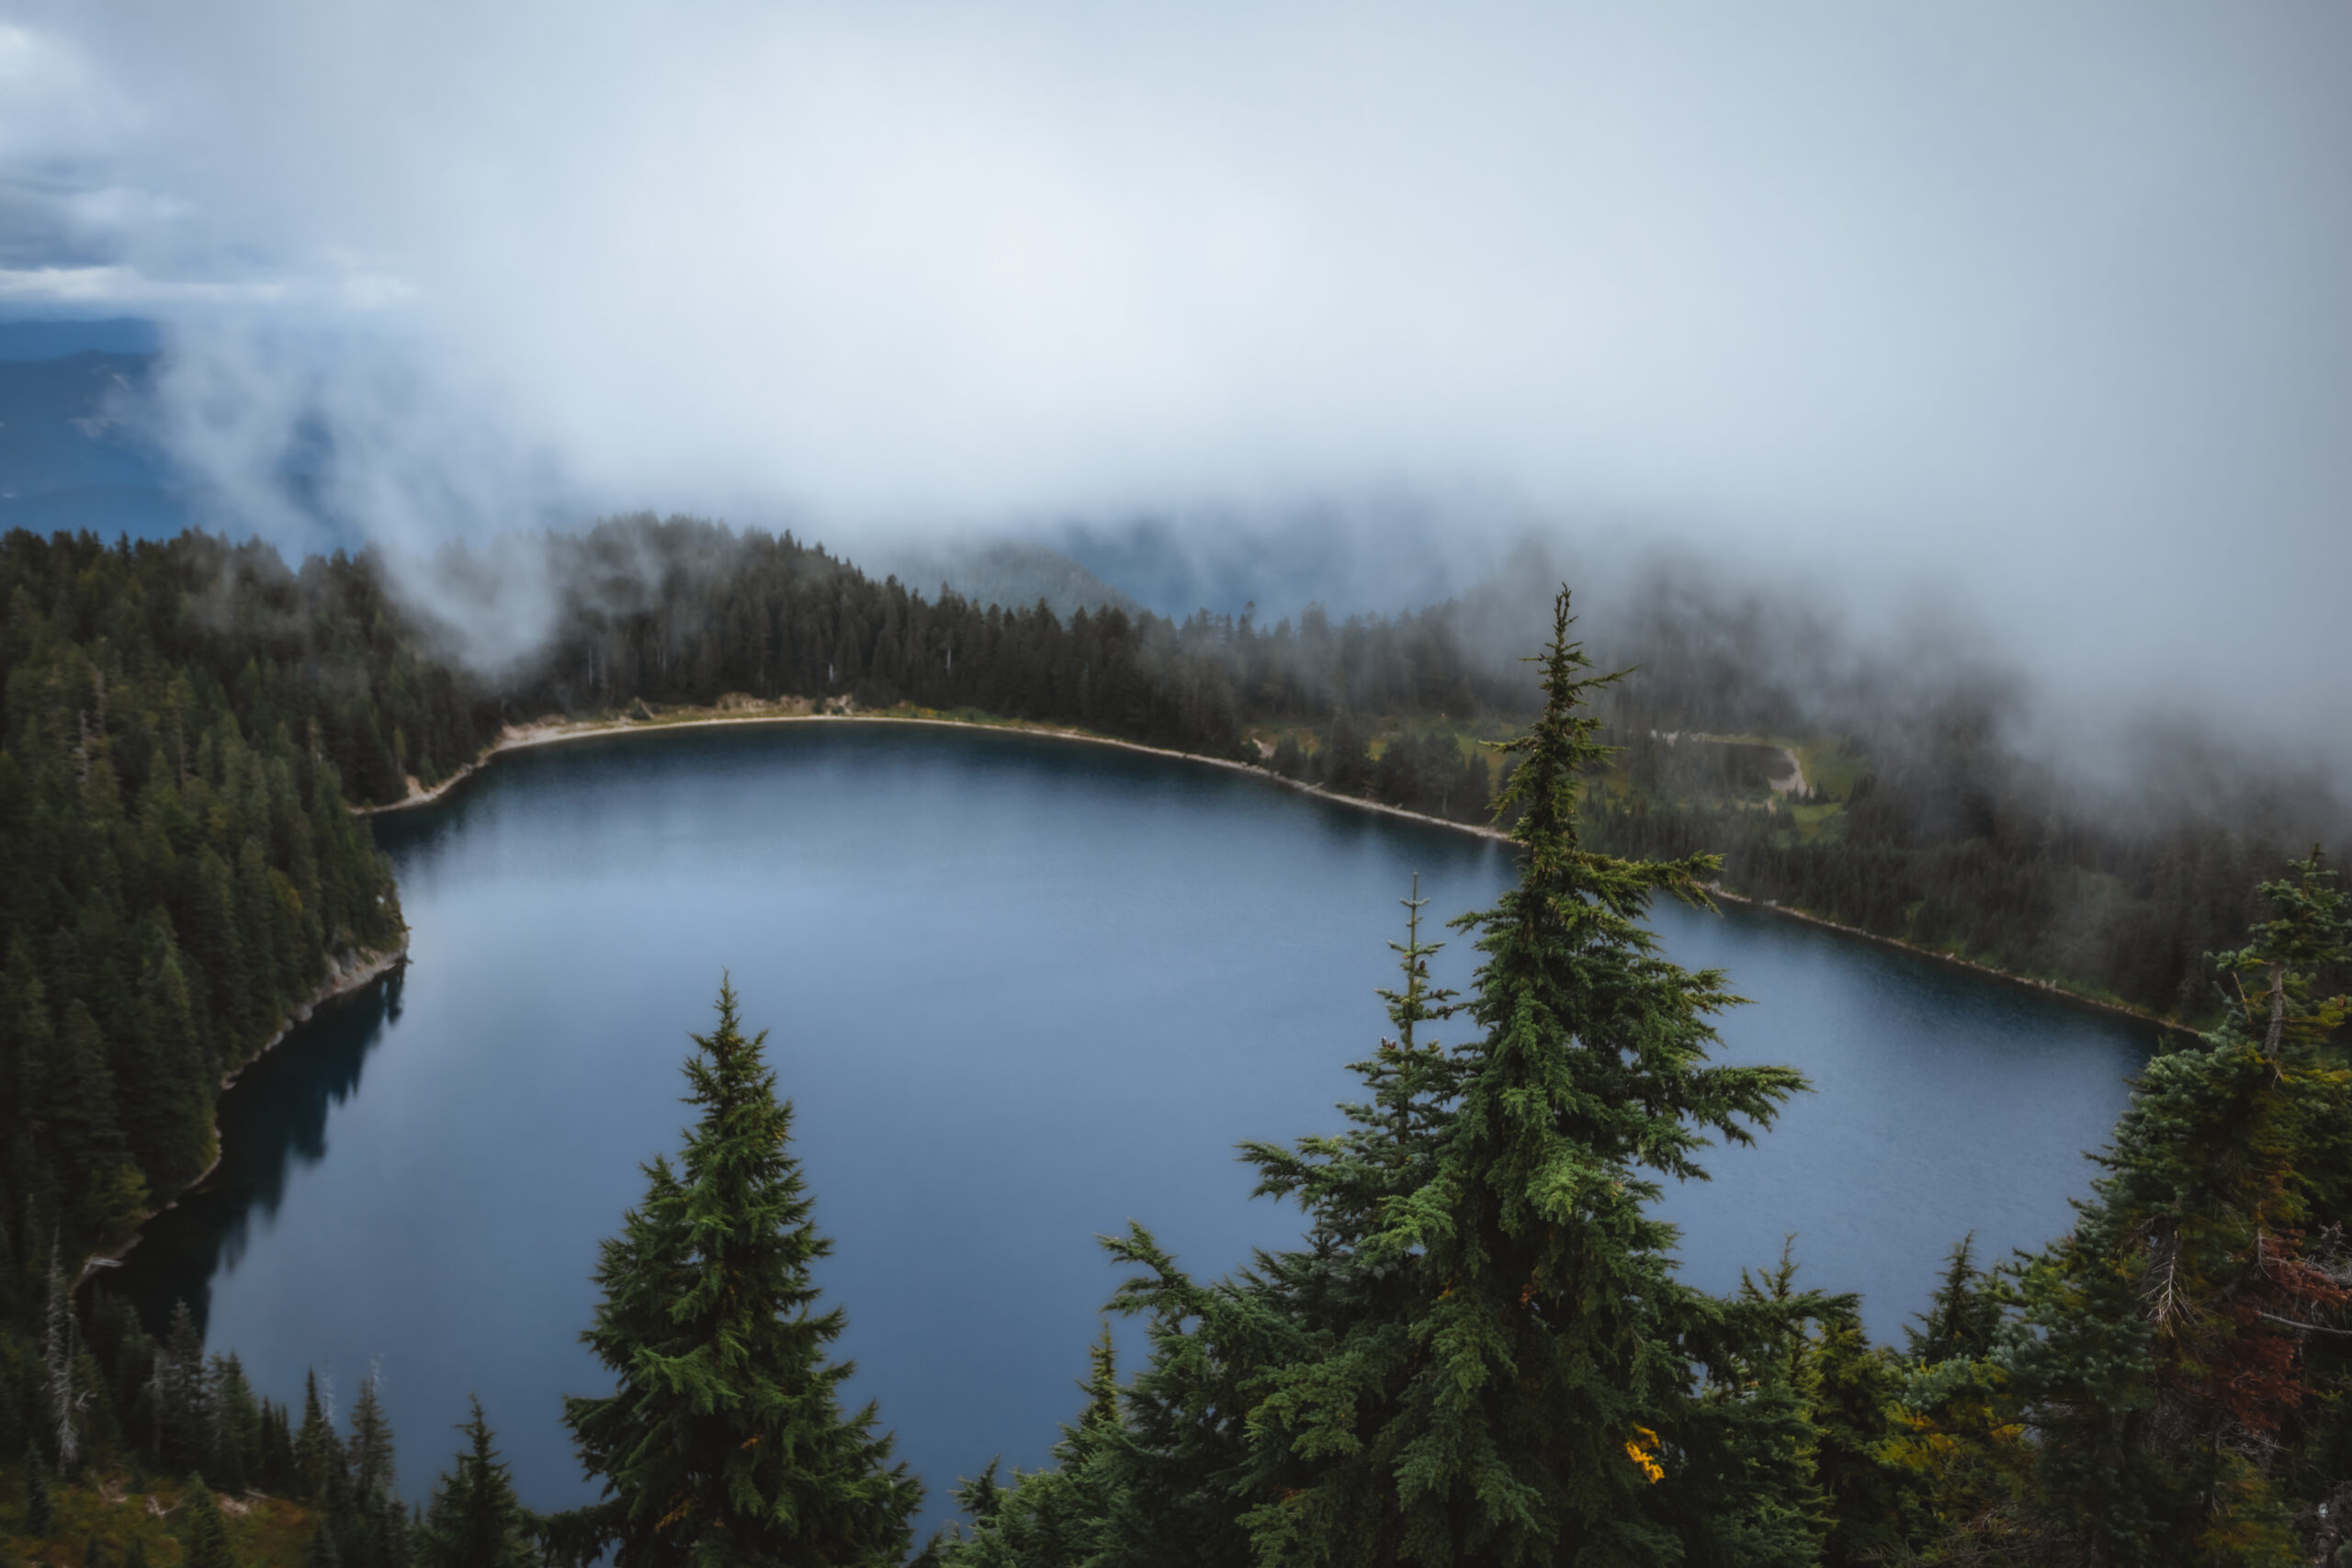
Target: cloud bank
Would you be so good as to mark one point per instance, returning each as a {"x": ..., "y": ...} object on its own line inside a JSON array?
[{"x": 2044, "y": 309}]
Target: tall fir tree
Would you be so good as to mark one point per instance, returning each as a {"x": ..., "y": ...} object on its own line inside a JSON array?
[
  {"x": 369, "y": 1449},
  {"x": 1482, "y": 1354},
  {"x": 1553, "y": 1416},
  {"x": 179, "y": 1430},
  {"x": 364, "y": 1493},
  {"x": 315, "y": 1448},
  {"x": 474, "y": 1519},
  {"x": 724, "y": 1441}
]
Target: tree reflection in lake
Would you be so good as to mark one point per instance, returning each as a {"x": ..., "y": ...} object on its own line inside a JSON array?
[{"x": 275, "y": 1123}]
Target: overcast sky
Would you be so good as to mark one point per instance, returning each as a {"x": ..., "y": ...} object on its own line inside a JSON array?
[{"x": 2048, "y": 307}]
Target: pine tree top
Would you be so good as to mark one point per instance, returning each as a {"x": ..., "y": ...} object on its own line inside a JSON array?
[{"x": 725, "y": 1435}]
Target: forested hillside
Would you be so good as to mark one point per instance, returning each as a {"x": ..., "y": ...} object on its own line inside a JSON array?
[
  {"x": 1937, "y": 838},
  {"x": 178, "y": 871},
  {"x": 1482, "y": 1352},
  {"x": 1929, "y": 826},
  {"x": 682, "y": 612}
]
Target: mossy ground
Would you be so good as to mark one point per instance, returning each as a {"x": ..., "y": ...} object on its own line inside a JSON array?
[{"x": 114, "y": 1507}]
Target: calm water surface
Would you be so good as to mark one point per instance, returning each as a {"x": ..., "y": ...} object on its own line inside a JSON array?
[{"x": 1020, "y": 990}]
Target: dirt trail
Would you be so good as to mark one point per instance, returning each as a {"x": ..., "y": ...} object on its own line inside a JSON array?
[
  {"x": 1790, "y": 783},
  {"x": 1795, "y": 782}
]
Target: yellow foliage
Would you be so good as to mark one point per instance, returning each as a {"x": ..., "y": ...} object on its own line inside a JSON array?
[{"x": 1644, "y": 1452}]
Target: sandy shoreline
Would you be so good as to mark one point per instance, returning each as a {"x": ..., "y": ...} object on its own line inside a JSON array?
[
  {"x": 522, "y": 737},
  {"x": 364, "y": 969},
  {"x": 519, "y": 738}
]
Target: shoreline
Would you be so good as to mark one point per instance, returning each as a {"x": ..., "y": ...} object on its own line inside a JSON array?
[
  {"x": 518, "y": 738},
  {"x": 367, "y": 967},
  {"x": 2047, "y": 988},
  {"x": 523, "y": 738}
]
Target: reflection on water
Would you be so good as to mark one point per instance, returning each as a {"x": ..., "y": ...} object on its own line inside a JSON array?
[{"x": 273, "y": 1124}]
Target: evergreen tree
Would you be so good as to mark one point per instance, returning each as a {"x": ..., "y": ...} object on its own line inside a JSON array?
[
  {"x": 2180, "y": 1344},
  {"x": 369, "y": 1449},
  {"x": 204, "y": 1534},
  {"x": 41, "y": 1504},
  {"x": 1063, "y": 1513},
  {"x": 474, "y": 1519},
  {"x": 235, "y": 1426},
  {"x": 1869, "y": 1491},
  {"x": 1544, "y": 1419},
  {"x": 1963, "y": 1316},
  {"x": 1346, "y": 761},
  {"x": 1482, "y": 1355},
  {"x": 274, "y": 1467},
  {"x": 182, "y": 1429},
  {"x": 1765, "y": 1401},
  {"x": 314, "y": 1445},
  {"x": 373, "y": 1521},
  {"x": 724, "y": 1441}
]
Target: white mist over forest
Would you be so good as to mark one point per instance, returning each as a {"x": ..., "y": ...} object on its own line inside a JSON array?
[{"x": 1986, "y": 327}]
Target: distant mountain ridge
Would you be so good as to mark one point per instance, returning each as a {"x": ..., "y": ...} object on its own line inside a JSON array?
[
  {"x": 55, "y": 338},
  {"x": 1004, "y": 572},
  {"x": 70, "y": 455}
]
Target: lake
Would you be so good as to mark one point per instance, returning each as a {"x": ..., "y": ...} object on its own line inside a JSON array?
[{"x": 1020, "y": 990}]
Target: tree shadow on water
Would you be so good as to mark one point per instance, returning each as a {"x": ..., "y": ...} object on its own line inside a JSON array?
[{"x": 272, "y": 1124}]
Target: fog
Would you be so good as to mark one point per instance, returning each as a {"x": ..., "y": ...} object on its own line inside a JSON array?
[{"x": 2026, "y": 327}]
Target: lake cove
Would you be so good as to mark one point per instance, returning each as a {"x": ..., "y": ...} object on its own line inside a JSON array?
[{"x": 1020, "y": 990}]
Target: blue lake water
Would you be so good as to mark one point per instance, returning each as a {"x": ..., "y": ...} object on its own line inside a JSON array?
[{"x": 1020, "y": 990}]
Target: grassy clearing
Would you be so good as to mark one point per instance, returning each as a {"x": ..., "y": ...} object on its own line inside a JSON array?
[
  {"x": 109, "y": 1506},
  {"x": 1830, "y": 769}
]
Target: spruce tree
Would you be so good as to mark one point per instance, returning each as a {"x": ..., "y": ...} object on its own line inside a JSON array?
[
  {"x": 204, "y": 1534},
  {"x": 1854, "y": 1408},
  {"x": 2183, "y": 1344},
  {"x": 1766, "y": 1402},
  {"x": 1545, "y": 1421},
  {"x": 1963, "y": 1316},
  {"x": 724, "y": 1441},
  {"x": 41, "y": 1504},
  {"x": 315, "y": 1448},
  {"x": 1063, "y": 1513},
  {"x": 1482, "y": 1355},
  {"x": 182, "y": 1424},
  {"x": 474, "y": 1519},
  {"x": 369, "y": 1449},
  {"x": 235, "y": 1425},
  {"x": 373, "y": 1521}
]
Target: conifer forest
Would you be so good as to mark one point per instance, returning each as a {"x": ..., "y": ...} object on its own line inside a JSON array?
[
  {"x": 1074, "y": 785},
  {"x": 1478, "y": 1351}
]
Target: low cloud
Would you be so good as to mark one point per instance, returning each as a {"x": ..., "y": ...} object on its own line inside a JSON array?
[{"x": 2037, "y": 313}]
